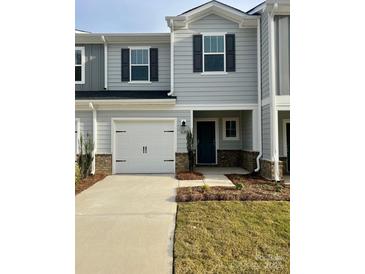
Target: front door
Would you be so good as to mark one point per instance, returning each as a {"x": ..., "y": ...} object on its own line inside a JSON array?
[
  {"x": 206, "y": 142},
  {"x": 288, "y": 144}
]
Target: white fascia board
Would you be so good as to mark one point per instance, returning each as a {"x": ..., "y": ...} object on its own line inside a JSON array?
[
  {"x": 282, "y": 101},
  {"x": 217, "y": 106},
  {"x": 80, "y": 104}
]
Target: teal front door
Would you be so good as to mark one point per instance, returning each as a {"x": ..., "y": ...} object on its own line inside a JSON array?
[{"x": 206, "y": 142}]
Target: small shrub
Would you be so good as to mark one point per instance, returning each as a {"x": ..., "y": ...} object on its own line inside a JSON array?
[
  {"x": 238, "y": 186},
  {"x": 278, "y": 187},
  {"x": 205, "y": 187},
  {"x": 86, "y": 157},
  {"x": 189, "y": 147},
  {"x": 77, "y": 174}
]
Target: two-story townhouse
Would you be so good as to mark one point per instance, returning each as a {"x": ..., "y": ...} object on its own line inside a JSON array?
[{"x": 138, "y": 94}]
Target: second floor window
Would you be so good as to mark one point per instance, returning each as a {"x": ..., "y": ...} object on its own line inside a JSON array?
[
  {"x": 139, "y": 65},
  {"x": 80, "y": 65},
  {"x": 214, "y": 53}
]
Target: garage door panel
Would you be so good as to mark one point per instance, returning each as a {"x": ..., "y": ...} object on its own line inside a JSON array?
[{"x": 158, "y": 138}]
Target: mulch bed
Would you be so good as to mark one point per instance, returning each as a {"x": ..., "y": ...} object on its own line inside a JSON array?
[
  {"x": 186, "y": 175},
  {"x": 254, "y": 188},
  {"x": 88, "y": 182}
]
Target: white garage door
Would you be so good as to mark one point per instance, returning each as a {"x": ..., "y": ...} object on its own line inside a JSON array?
[{"x": 144, "y": 146}]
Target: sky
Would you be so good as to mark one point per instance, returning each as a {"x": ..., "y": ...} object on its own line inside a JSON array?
[{"x": 137, "y": 15}]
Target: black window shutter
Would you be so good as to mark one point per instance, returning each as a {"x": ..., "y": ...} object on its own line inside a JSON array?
[
  {"x": 153, "y": 64},
  {"x": 125, "y": 65},
  {"x": 230, "y": 52},
  {"x": 197, "y": 53}
]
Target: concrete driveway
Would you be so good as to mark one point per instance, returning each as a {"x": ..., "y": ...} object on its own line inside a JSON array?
[{"x": 125, "y": 224}]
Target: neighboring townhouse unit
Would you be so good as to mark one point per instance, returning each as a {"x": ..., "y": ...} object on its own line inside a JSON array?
[
  {"x": 275, "y": 86},
  {"x": 137, "y": 94}
]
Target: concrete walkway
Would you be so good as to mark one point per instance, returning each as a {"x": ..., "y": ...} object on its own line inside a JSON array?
[
  {"x": 125, "y": 224},
  {"x": 214, "y": 176}
]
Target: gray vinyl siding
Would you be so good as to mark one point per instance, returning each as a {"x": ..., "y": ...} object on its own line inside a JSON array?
[
  {"x": 114, "y": 68},
  {"x": 104, "y": 125},
  {"x": 94, "y": 67},
  {"x": 246, "y": 129},
  {"x": 266, "y": 132},
  {"x": 281, "y": 116},
  {"x": 282, "y": 58},
  {"x": 265, "y": 82},
  {"x": 245, "y": 120},
  {"x": 235, "y": 87},
  {"x": 86, "y": 122}
]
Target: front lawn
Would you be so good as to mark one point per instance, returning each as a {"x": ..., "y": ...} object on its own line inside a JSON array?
[{"x": 232, "y": 237}]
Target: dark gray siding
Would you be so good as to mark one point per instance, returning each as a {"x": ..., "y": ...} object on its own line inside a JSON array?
[
  {"x": 234, "y": 87},
  {"x": 94, "y": 67},
  {"x": 266, "y": 132},
  {"x": 265, "y": 82}
]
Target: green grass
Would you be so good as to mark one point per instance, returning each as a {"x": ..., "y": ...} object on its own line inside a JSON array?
[{"x": 232, "y": 237}]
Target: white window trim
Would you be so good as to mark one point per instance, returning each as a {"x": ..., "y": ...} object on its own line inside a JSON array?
[
  {"x": 214, "y": 53},
  {"x": 82, "y": 49},
  {"x": 237, "y": 120},
  {"x": 285, "y": 150},
  {"x": 148, "y": 81}
]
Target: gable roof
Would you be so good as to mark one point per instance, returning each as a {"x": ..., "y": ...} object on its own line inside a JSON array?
[
  {"x": 212, "y": 7},
  {"x": 256, "y": 8},
  {"x": 228, "y": 6}
]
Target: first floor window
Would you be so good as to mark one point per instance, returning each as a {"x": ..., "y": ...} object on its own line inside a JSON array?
[
  {"x": 79, "y": 65},
  {"x": 139, "y": 64},
  {"x": 230, "y": 129},
  {"x": 214, "y": 53}
]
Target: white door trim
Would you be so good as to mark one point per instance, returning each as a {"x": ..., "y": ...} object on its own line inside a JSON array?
[
  {"x": 115, "y": 119},
  {"x": 77, "y": 120},
  {"x": 285, "y": 151},
  {"x": 215, "y": 120}
]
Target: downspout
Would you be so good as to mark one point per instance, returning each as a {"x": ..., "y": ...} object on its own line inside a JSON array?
[
  {"x": 259, "y": 93},
  {"x": 105, "y": 63},
  {"x": 171, "y": 57},
  {"x": 94, "y": 137}
]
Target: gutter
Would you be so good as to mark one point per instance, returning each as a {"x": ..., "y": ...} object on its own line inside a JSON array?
[
  {"x": 259, "y": 93},
  {"x": 172, "y": 36},
  {"x": 91, "y": 105},
  {"x": 105, "y": 62}
]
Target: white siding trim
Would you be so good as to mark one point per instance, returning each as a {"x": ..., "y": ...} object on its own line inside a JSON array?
[
  {"x": 274, "y": 112},
  {"x": 113, "y": 120},
  {"x": 237, "y": 120},
  {"x": 216, "y": 126}
]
